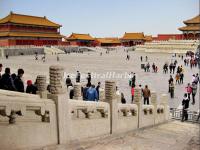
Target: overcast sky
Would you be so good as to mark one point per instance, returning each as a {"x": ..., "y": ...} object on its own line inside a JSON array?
[{"x": 108, "y": 18}]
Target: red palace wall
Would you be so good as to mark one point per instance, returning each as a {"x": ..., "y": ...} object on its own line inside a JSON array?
[{"x": 166, "y": 37}]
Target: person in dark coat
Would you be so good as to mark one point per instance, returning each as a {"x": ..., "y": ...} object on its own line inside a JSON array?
[
  {"x": 19, "y": 84},
  {"x": 133, "y": 80},
  {"x": 32, "y": 89},
  {"x": 123, "y": 100},
  {"x": 78, "y": 76},
  {"x": 185, "y": 104},
  {"x": 6, "y": 81},
  {"x": 169, "y": 81},
  {"x": 97, "y": 88},
  {"x": 71, "y": 94},
  {"x": 89, "y": 80},
  {"x": 68, "y": 81}
]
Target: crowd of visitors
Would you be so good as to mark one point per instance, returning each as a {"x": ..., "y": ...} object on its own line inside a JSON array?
[{"x": 12, "y": 82}]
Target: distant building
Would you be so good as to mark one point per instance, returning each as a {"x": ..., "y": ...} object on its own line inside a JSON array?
[
  {"x": 132, "y": 39},
  {"x": 81, "y": 40},
  {"x": 148, "y": 38},
  {"x": 166, "y": 37},
  {"x": 112, "y": 42},
  {"x": 18, "y": 29},
  {"x": 192, "y": 29}
]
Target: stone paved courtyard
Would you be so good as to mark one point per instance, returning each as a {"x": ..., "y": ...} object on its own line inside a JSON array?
[{"x": 116, "y": 62}]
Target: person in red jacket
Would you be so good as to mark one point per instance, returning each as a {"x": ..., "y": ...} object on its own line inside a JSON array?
[
  {"x": 132, "y": 93},
  {"x": 188, "y": 90}
]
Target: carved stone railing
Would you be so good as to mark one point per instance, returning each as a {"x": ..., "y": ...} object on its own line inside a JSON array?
[
  {"x": 127, "y": 110},
  {"x": 160, "y": 109},
  {"x": 147, "y": 109},
  {"x": 18, "y": 105},
  {"x": 88, "y": 109}
]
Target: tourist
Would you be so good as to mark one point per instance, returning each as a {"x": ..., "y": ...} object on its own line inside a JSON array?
[
  {"x": 145, "y": 68},
  {"x": 71, "y": 92},
  {"x": 185, "y": 62},
  {"x": 68, "y": 81},
  {"x": 193, "y": 78},
  {"x": 170, "y": 68},
  {"x": 165, "y": 68},
  {"x": 78, "y": 77},
  {"x": 148, "y": 67},
  {"x": 97, "y": 88},
  {"x": 123, "y": 100},
  {"x": 32, "y": 89},
  {"x": 132, "y": 94},
  {"x": 171, "y": 87},
  {"x": 197, "y": 79},
  {"x": 48, "y": 87},
  {"x": 169, "y": 81},
  {"x": 44, "y": 58},
  {"x": 19, "y": 84},
  {"x": 146, "y": 58},
  {"x": 13, "y": 76},
  {"x": 141, "y": 58},
  {"x": 1, "y": 67},
  {"x": 91, "y": 94},
  {"x": 181, "y": 77},
  {"x": 130, "y": 78},
  {"x": 36, "y": 56},
  {"x": 173, "y": 68},
  {"x": 177, "y": 77},
  {"x": 194, "y": 91},
  {"x": 6, "y": 56},
  {"x": 185, "y": 104},
  {"x": 128, "y": 57},
  {"x": 188, "y": 90},
  {"x": 133, "y": 80},
  {"x": 146, "y": 94},
  {"x": 6, "y": 82},
  {"x": 89, "y": 80},
  {"x": 84, "y": 92},
  {"x": 154, "y": 68}
]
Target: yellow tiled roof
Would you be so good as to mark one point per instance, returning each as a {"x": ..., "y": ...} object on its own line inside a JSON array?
[
  {"x": 193, "y": 20},
  {"x": 108, "y": 40},
  {"x": 76, "y": 36},
  {"x": 29, "y": 20},
  {"x": 190, "y": 28},
  {"x": 133, "y": 36},
  {"x": 148, "y": 38},
  {"x": 28, "y": 34}
]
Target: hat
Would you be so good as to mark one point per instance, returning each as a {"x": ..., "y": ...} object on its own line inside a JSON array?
[{"x": 29, "y": 82}]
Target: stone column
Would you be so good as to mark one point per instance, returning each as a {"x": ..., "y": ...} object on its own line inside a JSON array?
[
  {"x": 42, "y": 86},
  {"x": 77, "y": 92},
  {"x": 59, "y": 95},
  {"x": 101, "y": 95},
  {"x": 165, "y": 102},
  {"x": 56, "y": 80},
  {"x": 110, "y": 97},
  {"x": 138, "y": 102}
]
